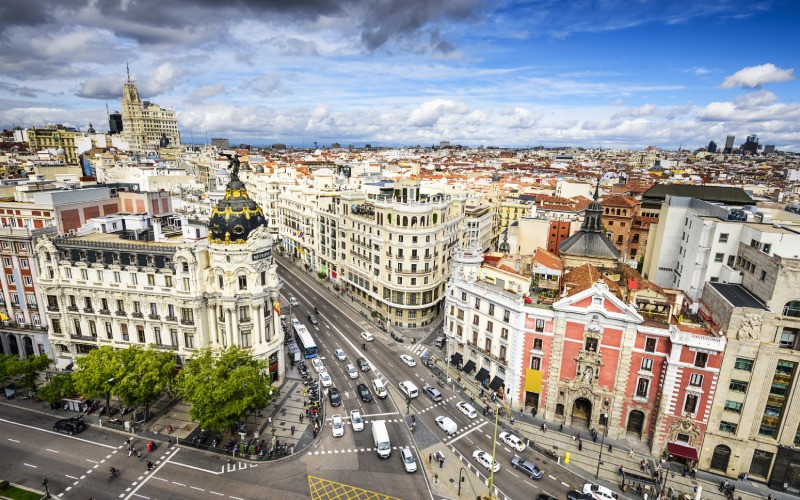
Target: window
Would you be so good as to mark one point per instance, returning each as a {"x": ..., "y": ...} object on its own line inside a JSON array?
[
  {"x": 690, "y": 405},
  {"x": 134, "y": 279},
  {"x": 788, "y": 338},
  {"x": 767, "y": 248},
  {"x": 723, "y": 238},
  {"x": 791, "y": 309},
  {"x": 186, "y": 284},
  {"x": 168, "y": 280},
  {"x": 733, "y": 406},
  {"x": 647, "y": 364},
  {"x": 506, "y": 315},
  {"x": 504, "y": 333},
  {"x": 244, "y": 314},
  {"x": 56, "y": 326},
  {"x": 157, "y": 335},
  {"x": 84, "y": 274},
  {"x": 153, "y": 309},
  {"x": 738, "y": 386},
  {"x": 719, "y": 257},
  {"x": 10, "y": 279},
  {"x": 109, "y": 331},
  {"x": 727, "y": 427},
  {"x": 491, "y": 309},
  {"x": 7, "y": 261},
  {"x": 188, "y": 339},
  {"x": 642, "y": 387},
  {"x": 263, "y": 278},
  {"x": 700, "y": 359},
  {"x": 137, "y": 307},
  {"x": 242, "y": 282},
  {"x": 246, "y": 339},
  {"x": 696, "y": 380},
  {"x": 140, "y": 333},
  {"x": 743, "y": 364},
  {"x": 151, "y": 279},
  {"x": 763, "y": 275},
  {"x": 117, "y": 277},
  {"x": 591, "y": 344},
  {"x": 464, "y": 296},
  {"x": 477, "y": 303},
  {"x": 120, "y": 306},
  {"x": 124, "y": 329},
  {"x": 537, "y": 344},
  {"x": 476, "y": 319},
  {"x": 536, "y": 363},
  {"x": 650, "y": 344},
  {"x": 539, "y": 328}
]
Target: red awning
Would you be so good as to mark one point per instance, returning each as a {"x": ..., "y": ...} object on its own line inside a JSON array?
[{"x": 682, "y": 451}]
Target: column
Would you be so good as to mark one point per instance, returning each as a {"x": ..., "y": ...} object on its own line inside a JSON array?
[
  {"x": 228, "y": 326},
  {"x": 212, "y": 325},
  {"x": 234, "y": 326},
  {"x": 260, "y": 323}
]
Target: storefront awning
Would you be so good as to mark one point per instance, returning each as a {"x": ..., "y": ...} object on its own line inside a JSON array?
[
  {"x": 456, "y": 359},
  {"x": 682, "y": 451},
  {"x": 496, "y": 383},
  {"x": 469, "y": 366},
  {"x": 482, "y": 374}
]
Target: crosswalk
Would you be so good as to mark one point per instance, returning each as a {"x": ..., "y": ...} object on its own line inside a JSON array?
[
  {"x": 351, "y": 450},
  {"x": 419, "y": 349}
]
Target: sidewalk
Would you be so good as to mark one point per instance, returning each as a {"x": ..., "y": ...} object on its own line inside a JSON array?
[
  {"x": 443, "y": 476},
  {"x": 585, "y": 462}
]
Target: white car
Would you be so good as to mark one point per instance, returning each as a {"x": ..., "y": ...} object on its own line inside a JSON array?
[
  {"x": 467, "y": 410},
  {"x": 317, "y": 364},
  {"x": 512, "y": 441},
  {"x": 408, "y": 360},
  {"x": 351, "y": 371},
  {"x": 325, "y": 379},
  {"x": 599, "y": 492},
  {"x": 356, "y": 421},
  {"x": 408, "y": 459},
  {"x": 293, "y": 301},
  {"x": 367, "y": 336},
  {"x": 485, "y": 459},
  {"x": 340, "y": 355},
  {"x": 337, "y": 425},
  {"x": 446, "y": 424}
]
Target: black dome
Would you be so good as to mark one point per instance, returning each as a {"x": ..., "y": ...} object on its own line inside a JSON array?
[{"x": 236, "y": 216}]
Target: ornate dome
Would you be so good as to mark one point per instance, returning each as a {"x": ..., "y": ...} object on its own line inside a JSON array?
[
  {"x": 496, "y": 176},
  {"x": 235, "y": 216},
  {"x": 259, "y": 169}
]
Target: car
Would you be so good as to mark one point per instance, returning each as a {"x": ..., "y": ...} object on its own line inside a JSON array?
[
  {"x": 356, "y": 421},
  {"x": 545, "y": 496},
  {"x": 599, "y": 492},
  {"x": 337, "y": 426},
  {"x": 363, "y": 392},
  {"x": 317, "y": 364},
  {"x": 333, "y": 395},
  {"x": 283, "y": 318},
  {"x": 363, "y": 364},
  {"x": 512, "y": 441},
  {"x": 408, "y": 388},
  {"x": 526, "y": 467},
  {"x": 467, "y": 409},
  {"x": 446, "y": 424},
  {"x": 485, "y": 460},
  {"x": 72, "y": 425},
  {"x": 432, "y": 392},
  {"x": 367, "y": 336},
  {"x": 313, "y": 320},
  {"x": 577, "y": 495},
  {"x": 379, "y": 388},
  {"x": 293, "y": 302},
  {"x": 408, "y": 459},
  {"x": 340, "y": 355},
  {"x": 408, "y": 360},
  {"x": 351, "y": 371},
  {"x": 325, "y": 379}
]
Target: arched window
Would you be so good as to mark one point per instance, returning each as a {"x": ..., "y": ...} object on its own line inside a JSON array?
[
  {"x": 405, "y": 221},
  {"x": 792, "y": 309},
  {"x": 414, "y": 221},
  {"x": 721, "y": 457},
  {"x": 390, "y": 218},
  {"x": 435, "y": 218}
]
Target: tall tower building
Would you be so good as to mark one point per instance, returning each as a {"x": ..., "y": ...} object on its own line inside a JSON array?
[
  {"x": 144, "y": 124},
  {"x": 729, "y": 144}
]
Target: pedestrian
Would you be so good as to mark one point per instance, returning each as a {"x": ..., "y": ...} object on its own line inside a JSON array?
[
  {"x": 430, "y": 458},
  {"x": 169, "y": 428},
  {"x": 149, "y": 465},
  {"x": 535, "y": 411},
  {"x": 574, "y": 437},
  {"x": 301, "y": 418},
  {"x": 269, "y": 421},
  {"x": 610, "y": 448},
  {"x": 631, "y": 454},
  {"x": 744, "y": 477},
  {"x": 169, "y": 442},
  {"x": 128, "y": 441},
  {"x": 580, "y": 446},
  {"x": 693, "y": 472},
  {"x": 621, "y": 471},
  {"x": 645, "y": 496},
  {"x": 130, "y": 451},
  {"x": 512, "y": 420},
  {"x": 594, "y": 438},
  {"x": 544, "y": 426},
  {"x": 292, "y": 430},
  {"x": 441, "y": 462},
  {"x": 139, "y": 454},
  {"x": 560, "y": 427}
]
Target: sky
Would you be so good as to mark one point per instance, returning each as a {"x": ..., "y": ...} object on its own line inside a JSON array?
[{"x": 606, "y": 73}]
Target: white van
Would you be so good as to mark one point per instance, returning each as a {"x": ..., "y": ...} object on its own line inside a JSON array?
[
  {"x": 381, "y": 438},
  {"x": 440, "y": 341},
  {"x": 379, "y": 388},
  {"x": 447, "y": 425},
  {"x": 408, "y": 388}
]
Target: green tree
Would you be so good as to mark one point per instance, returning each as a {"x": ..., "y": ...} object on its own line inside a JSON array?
[
  {"x": 145, "y": 373},
  {"x": 4, "y": 369},
  {"x": 223, "y": 385},
  {"x": 98, "y": 372},
  {"x": 60, "y": 386},
  {"x": 28, "y": 369}
]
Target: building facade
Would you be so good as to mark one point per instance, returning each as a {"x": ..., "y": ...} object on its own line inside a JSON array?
[{"x": 146, "y": 126}]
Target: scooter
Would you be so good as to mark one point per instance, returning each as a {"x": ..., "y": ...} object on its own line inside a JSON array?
[{"x": 364, "y": 346}]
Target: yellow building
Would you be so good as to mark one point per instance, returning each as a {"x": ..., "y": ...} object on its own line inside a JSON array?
[
  {"x": 56, "y": 137},
  {"x": 145, "y": 125}
]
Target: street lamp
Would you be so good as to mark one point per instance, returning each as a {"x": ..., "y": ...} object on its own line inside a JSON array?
[
  {"x": 602, "y": 443},
  {"x": 46, "y": 490},
  {"x": 494, "y": 450},
  {"x": 460, "y": 480}
]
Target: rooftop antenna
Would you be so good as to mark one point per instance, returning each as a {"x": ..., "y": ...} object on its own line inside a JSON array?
[
  {"x": 128, "y": 70},
  {"x": 108, "y": 113}
]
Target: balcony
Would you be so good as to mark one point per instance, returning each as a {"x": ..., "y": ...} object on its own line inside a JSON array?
[
  {"x": 104, "y": 311},
  {"x": 171, "y": 318},
  {"x": 187, "y": 321},
  {"x": 488, "y": 334},
  {"x": 83, "y": 338},
  {"x": 121, "y": 313},
  {"x": 89, "y": 310},
  {"x": 53, "y": 309},
  {"x": 33, "y": 307},
  {"x": 72, "y": 308},
  {"x": 137, "y": 315},
  {"x": 165, "y": 347},
  {"x": 154, "y": 316}
]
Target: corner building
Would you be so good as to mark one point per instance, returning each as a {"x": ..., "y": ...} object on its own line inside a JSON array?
[{"x": 157, "y": 281}]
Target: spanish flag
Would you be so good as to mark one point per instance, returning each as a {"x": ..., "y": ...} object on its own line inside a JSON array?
[{"x": 277, "y": 307}]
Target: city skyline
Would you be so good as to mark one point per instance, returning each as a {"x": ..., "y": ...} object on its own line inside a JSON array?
[{"x": 403, "y": 73}]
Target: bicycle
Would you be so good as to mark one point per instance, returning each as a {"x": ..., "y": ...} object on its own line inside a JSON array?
[{"x": 113, "y": 475}]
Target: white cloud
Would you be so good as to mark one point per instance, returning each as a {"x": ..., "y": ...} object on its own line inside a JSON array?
[
  {"x": 428, "y": 113},
  {"x": 753, "y": 77},
  {"x": 202, "y": 93},
  {"x": 162, "y": 80}
]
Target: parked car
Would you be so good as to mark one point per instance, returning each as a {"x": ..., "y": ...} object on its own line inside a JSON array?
[
  {"x": 408, "y": 459},
  {"x": 363, "y": 392},
  {"x": 512, "y": 441},
  {"x": 70, "y": 426},
  {"x": 363, "y": 364},
  {"x": 356, "y": 421},
  {"x": 313, "y": 320},
  {"x": 293, "y": 301},
  {"x": 379, "y": 388},
  {"x": 599, "y": 492},
  {"x": 367, "y": 336},
  {"x": 325, "y": 379},
  {"x": 317, "y": 364},
  {"x": 432, "y": 393},
  {"x": 447, "y": 425},
  {"x": 545, "y": 496},
  {"x": 577, "y": 495},
  {"x": 351, "y": 371},
  {"x": 526, "y": 467},
  {"x": 467, "y": 409},
  {"x": 333, "y": 395},
  {"x": 340, "y": 355},
  {"x": 337, "y": 425},
  {"x": 408, "y": 360},
  {"x": 485, "y": 460}
]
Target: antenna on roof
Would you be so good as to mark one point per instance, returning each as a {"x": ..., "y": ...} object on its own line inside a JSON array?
[
  {"x": 108, "y": 113},
  {"x": 128, "y": 70}
]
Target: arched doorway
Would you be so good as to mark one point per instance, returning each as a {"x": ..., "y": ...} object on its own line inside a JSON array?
[
  {"x": 720, "y": 458},
  {"x": 28, "y": 344},
  {"x": 12, "y": 345},
  {"x": 581, "y": 413},
  {"x": 635, "y": 424}
]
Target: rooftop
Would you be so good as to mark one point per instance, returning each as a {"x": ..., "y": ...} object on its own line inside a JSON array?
[{"x": 738, "y": 295}]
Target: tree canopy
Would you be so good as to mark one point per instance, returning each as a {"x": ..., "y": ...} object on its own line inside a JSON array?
[
  {"x": 97, "y": 373},
  {"x": 60, "y": 386},
  {"x": 223, "y": 385},
  {"x": 28, "y": 369},
  {"x": 145, "y": 373}
]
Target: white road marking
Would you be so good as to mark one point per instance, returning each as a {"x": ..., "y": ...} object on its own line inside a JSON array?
[
  {"x": 57, "y": 433},
  {"x": 153, "y": 474},
  {"x": 565, "y": 484},
  {"x": 215, "y": 493},
  {"x": 513, "y": 474},
  {"x": 93, "y": 461},
  {"x": 465, "y": 433},
  {"x": 13, "y": 440},
  {"x": 141, "y": 496},
  {"x": 29, "y": 465},
  {"x": 71, "y": 477},
  {"x": 179, "y": 484},
  {"x": 196, "y": 488},
  {"x": 195, "y": 468},
  {"x": 551, "y": 477}
]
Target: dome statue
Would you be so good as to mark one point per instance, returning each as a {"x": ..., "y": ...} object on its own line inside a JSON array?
[{"x": 236, "y": 215}]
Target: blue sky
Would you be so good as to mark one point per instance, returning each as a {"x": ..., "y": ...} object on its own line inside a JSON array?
[{"x": 587, "y": 73}]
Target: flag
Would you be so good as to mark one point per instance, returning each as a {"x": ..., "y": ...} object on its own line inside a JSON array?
[
  {"x": 3, "y": 317},
  {"x": 277, "y": 308}
]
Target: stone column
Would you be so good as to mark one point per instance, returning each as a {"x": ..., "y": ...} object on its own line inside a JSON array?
[
  {"x": 234, "y": 326},
  {"x": 259, "y": 321},
  {"x": 228, "y": 327},
  {"x": 212, "y": 325}
]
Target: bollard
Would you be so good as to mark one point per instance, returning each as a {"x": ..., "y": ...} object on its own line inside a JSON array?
[
  {"x": 566, "y": 457},
  {"x": 436, "y": 479}
]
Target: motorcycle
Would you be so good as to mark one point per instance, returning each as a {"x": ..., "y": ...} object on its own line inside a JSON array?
[
  {"x": 229, "y": 446},
  {"x": 364, "y": 346}
]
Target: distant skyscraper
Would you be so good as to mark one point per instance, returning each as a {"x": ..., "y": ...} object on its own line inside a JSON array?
[
  {"x": 769, "y": 149},
  {"x": 729, "y": 143},
  {"x": 712, "y": 147},
  {"x": 220, "y": 142},
  {"x": 751, "y": 144},
  {"x": 115, "y": 122}
]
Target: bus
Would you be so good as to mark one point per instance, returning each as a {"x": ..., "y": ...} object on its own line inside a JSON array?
[{"x": 303, "y": 339}]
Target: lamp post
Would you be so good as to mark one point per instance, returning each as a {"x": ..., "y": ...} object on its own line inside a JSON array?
[
  {"x": 460, "y": 480},
  {"x": 494, "y": 450},
  {"x": 602, "y": 443},
  {"x": 46, "y": 490}
]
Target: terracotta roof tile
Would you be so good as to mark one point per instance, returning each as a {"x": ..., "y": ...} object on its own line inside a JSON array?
[
  {"x": 583, "y": 277},
  {"x": 618, "y": 200},
  {"x": 548, "y": 260}
]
